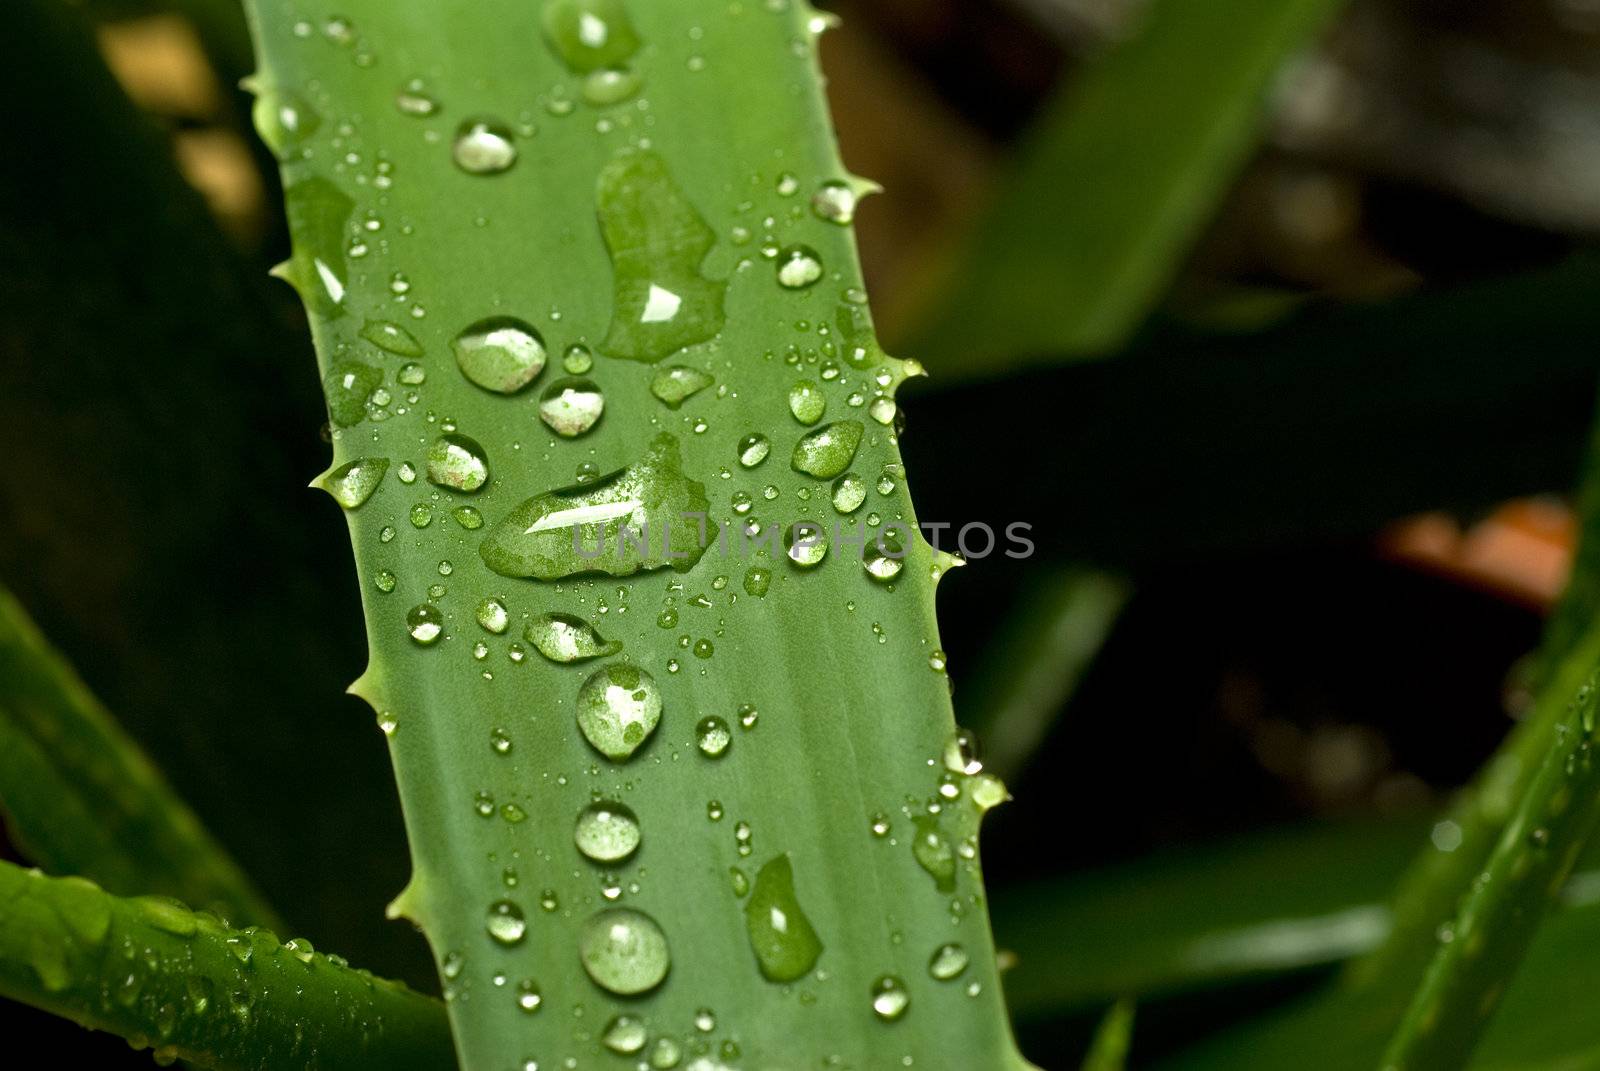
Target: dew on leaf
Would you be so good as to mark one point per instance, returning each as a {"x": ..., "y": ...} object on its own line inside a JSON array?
[
  {"x": 624, "y": 951},
  {"x": 424, "y": 623},
  {"x": 625, "y": 1035},
  {"x": 607, "y": 832},
  {"x": 457, "y": 462},
  {"x": 785, "y": 944},
  {"x": 578, "y": 359},
  {"x": 619, "y": 706},
  {"x": 799, "y": 266},
  {"x": 757, "y": 579},
  {"x": 712, "y": 736},
  {"x": 889, "y": 998},
  {"x": 849, "y": 491},
  {"x": 835, "y": 202},
  {"x": 884, "y": 557},
  {"x": 284, "y": 121},
  {"x": 807, "y": 402},
  {"x": 570, "y": 407},
  {"x": 505, "y": 922},
  {"x": 352, "y": 484},
  {"x": 828, "y": 451},
  {"x": 806, "y": 544},
  {"x": 483, "y": 146},
  {"x": 589, "y": 34},
  {"x": 500, "y": 354},
  {"x": 348, "y": 386},
  {"x": 753, "y": 449},
  {"x": 610, "y": 85},
  {"x": 391, "y": 337},
  {"x": 963, "y": 754},
  {"x": 676, "y": 383},
  {"x": 565, "y": 638},
  {"x": 948, "y": 962}
]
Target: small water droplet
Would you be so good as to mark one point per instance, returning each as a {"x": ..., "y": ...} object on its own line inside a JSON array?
[
  {"x": 963, "y": 754},
  {"x": 610, "y": 85},
  {"x": 425, "y": 623},
  {"x": 835, "y": 202},
  {"x": 884, "y": 557},
  {"x": 500, "y": 354},
  {"x": 484, "y": 146},
  {"x": 828, "y": 451},
  {"x": 799, "y": 266},
  {"x": 607, "y": 832},
  {"x": 624, "y": 951},
  {"x": 493, "y": 616},
  {"x": 806, "y": 402},
  {"x": 889, "y": 998},
  {"x": 933, "y": 852},
  {"x": 353, "y": 483},
  {"x": 566, "y": 638},
  {"x": 619, "y": 707},
  {"x": 757, "y": 579},
  {"x": 753, "y": 449},
  {"x": 676, "y": 383},
  {"x": 849, "y": 491},
  {"x": 506, "y": 923},
  {"x": 625, "y": 1035},
  {"x": 712, "y": 736},
  {"x": 806, "y": 544},
  {"x": 529, "y": 998},
  {"x": 457, "y": 462},
  {"x": 414, "y": 100},
  {"x": 467, "y": 517},
  {"x": 570, "y": 407},
  {"x": 948, "y": 962},
  {"x": 385, "y": 581}
]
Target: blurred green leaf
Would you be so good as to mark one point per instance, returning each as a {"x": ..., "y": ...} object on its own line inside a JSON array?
[
  {"x": 1115, "y": 182},
  {"x": 81, "y": 798},
  {"x": 1109, "y": 1050},
  {"x": 186, "y": 986}
]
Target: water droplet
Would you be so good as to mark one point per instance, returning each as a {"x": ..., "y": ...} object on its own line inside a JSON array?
[
  {"x": 501, "y": 354},
  {"x": 948, "y": 962},
  {"x": 932, "y": 851},
  {"x": 849, "y": 491},
  {"x": 542, "y": 537},
  {"x": 505, "y": 922},
  {"x": 781, "y": 936},
  {"x": 578, "y": 359},
  {"x": 889, "y": 998},
  {"x": 619, "y": 707},
  {"x": 828, "y": 451},
  {"x": 610, "y": 85},
  {"x": 529, "y": 998},
  {"x": 806, "y": 402},
  {"x": 705, "y": 1020},
  {"x": 284, "y": 120},
  {"x": 757, "y": 579},
  {"x": 425, "y": 623},
  {"x": 714, "y": 810},
  {"x": 963, "y": 754},
  {"x": 468, "y": 517},
  {"x": 589, "y": 34},
  {"x": 624, "y": 951},
  {"x": 625, "y": 1035},
  {"x": 493, "y": 616},
  {"x": 607, "y": 832},
  {"x": 483, "y": 146},
  {"x": 806, "y": 544},
  {"x": 414, "y": 100},
  {"x": 348, "y": 386},
  {"x": 665, "y": 1054},
  {"x": 753, "y": 449},
  {"x": 657, "y": 239},
  {"x": 712, "y": 736},
  {"x": 799, "y": 266},
  {"x": 567, "y": 638},
  {"x": 353, "y": 483},
  {"x": 319, "y": 216},
  {"x": 880, "y": 826},
  {"x": 676, "y": 383},
  {"x": 570, "y": 407},
  {"x": 385, "y": 581},
  {"x": 835, "y": 202},
  {"x": 391, "y": 337},
  {"x": 884, "y": 557},
  {"x": 499, "y": 741},
  {"x": 457, "y": 462},
  {"x": 883, "y": 410}
]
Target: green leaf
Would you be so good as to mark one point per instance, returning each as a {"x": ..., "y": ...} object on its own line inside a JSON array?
[
  {"x": 1481, "y": 948},
  {"x": 1109, "y": 1050},
  {"x": 1114, "y": 184},
  {"x": 774, "y": 698},
  {"x": 80, "y": 797},
  {"x": 186, "y": 986}
]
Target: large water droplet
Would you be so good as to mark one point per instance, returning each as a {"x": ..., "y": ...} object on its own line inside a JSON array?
[
  {"x": 656, "y": 239},
  {"x": 353, "y": 483},
  {"x": 625, "y": 1035},
  {"x": 807, "y": 402},
  {"x": 505, "y": 922},
  {"x": 889, "y": 998},
  {"x": 799, "y": 266},
  {"x": 676, "y": 384},
  {"x": 570, "y": 407},
  {"x": 567, "y": 638},
  {"x": 284, "y": 120},
  {"x": 319, "y": 217},
  {"x": 502, "y": 354},
  {"x": 425, "y": 623},
  {"x": 753, "y": 449},
  {"x": 828, "y": 451},
  {"x": 619, "y": 706},
  {"x": 493, "y": 616},
  {"x": 348, "y": 386},
  {"x": 457, "y": 462},
  {"x": 932, "y": 851},
  {"x": 589, "y": 34},
  {"x": 607, "y": 832},
  {"x": 390, "y": 336},
  {"x": 595, "y": 526},
  {"x": 806, "y": 544},
  {"x": 785, "y": 944},
  {"x": 884, "y": 557},
  {"x": 849, "y": 491},
  {"x": 484, "y": 146},
  {"x": 624, "y": 951}
]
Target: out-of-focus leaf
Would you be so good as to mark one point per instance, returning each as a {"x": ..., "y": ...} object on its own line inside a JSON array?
[
  {"x": 1460, "y": 398},
  {"x": 186, "y": 986},
  {"x": 1109, "y": 1050},
  {"x": 158, "y": 416},
  {"x": 81, "y": 798},
  {"x": 1034, "y": 662},
  {"x": 1114, "y": 184}
]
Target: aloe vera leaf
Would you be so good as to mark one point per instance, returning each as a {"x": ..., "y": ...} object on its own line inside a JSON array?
[
  {"x": 1113, "y": 185},
  {"x": 587, "y": 237},
  {"x": 145, "y": 369},
  {"x": 80, "y": 797},
  {"x": 1112, "y": 1039},
  {"x": 1482, "y": 947},
  {"x": 185, "y": 985},
  {"x": 1033, "y": 664}
]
